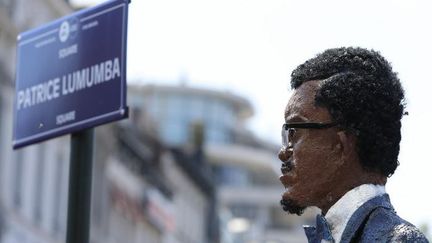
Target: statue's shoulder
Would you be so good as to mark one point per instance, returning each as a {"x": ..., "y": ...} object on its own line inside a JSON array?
[
  {"x": 384, "y": 225},
  {"x": 407, "y": 233}
]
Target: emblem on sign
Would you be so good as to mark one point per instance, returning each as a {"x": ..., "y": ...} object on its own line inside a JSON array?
[{"x": 64, "y": 31}]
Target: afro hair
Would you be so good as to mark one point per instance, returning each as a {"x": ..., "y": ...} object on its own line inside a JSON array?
[{"x": 362, "y": 94}]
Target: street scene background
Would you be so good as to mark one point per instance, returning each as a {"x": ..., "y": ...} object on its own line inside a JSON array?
[{"x": 208, "y": 83}]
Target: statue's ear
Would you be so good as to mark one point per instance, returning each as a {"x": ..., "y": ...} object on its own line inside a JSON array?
[{"x": 346, "y": 145}]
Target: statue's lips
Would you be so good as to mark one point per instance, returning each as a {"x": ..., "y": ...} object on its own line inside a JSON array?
[{"x": 287, "y": 179}]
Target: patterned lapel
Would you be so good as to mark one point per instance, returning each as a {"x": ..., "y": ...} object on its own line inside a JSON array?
[{"x": 358, "y": 219}]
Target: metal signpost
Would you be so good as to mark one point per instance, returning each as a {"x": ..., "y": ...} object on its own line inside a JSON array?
[{"x": 71, "y": 77}]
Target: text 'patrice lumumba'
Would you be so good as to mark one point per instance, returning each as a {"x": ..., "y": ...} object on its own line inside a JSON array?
[{"x": 69, "y": 83}]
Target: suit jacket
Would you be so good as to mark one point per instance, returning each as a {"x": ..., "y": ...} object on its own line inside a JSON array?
[{"x": 377, "y": 221}]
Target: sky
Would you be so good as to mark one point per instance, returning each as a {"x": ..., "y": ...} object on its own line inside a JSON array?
[{"x": 250, "y": 47}]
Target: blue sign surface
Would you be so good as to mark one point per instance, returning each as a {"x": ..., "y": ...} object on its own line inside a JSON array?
[{"x": 71, "y": 74}]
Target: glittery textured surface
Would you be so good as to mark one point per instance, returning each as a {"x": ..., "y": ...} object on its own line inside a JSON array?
[
  {"x": 376, "y": 221},
  {"x": 319, "y": 233}
]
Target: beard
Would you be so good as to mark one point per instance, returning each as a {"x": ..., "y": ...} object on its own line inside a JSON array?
[{"x": 292, "y": 207}]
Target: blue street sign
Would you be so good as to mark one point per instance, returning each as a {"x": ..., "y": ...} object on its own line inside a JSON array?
[{"x": 71, "y": 74}]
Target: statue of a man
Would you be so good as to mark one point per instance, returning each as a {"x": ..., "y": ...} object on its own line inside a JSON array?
[{"x": 340, "y": 144}]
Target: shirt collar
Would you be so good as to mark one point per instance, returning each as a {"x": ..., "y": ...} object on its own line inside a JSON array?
[{"x": 338, "y": 215}]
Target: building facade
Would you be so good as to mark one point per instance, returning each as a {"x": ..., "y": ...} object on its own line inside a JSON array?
[
  {"x": 142, "y": 190},
  {"x": 32, "y": 191},
  {"x": 149, "y": 192}
]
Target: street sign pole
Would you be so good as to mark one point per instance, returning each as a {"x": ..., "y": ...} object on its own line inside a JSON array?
[{"x": 80, "y": 183}]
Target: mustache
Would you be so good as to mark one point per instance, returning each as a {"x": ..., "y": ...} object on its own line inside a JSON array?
[{"x": 292, "y": 207}]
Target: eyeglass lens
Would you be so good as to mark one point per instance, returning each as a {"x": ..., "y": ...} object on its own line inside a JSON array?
[{"x": 287, "y": 135}]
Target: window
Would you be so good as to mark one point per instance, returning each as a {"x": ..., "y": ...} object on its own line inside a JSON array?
[
  {"x": 9, "y": 5},
  {"x": 17, "y": 199},
  {"x": 232, "y": 176},
  {"x": 60, "y": 175},
  {"x": 39, "y": 178}
]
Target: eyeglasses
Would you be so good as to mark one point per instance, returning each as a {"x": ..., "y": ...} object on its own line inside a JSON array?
[{"x": 289, "y": 129}]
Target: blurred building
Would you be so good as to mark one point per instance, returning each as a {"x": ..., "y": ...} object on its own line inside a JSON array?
[
  {"x": 33, "y": 181},
  {"x": 143, "y": 191},
  {"x": 245, "y": 168}
]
